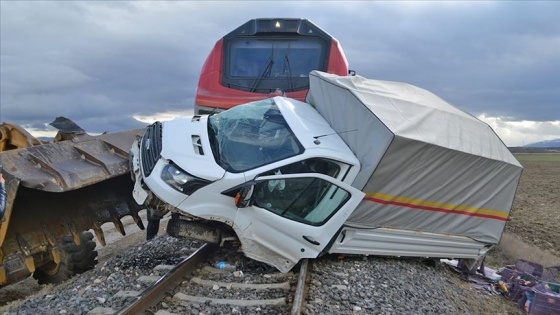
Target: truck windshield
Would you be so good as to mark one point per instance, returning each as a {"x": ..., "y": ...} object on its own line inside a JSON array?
[{"x": 251, "y": 135}]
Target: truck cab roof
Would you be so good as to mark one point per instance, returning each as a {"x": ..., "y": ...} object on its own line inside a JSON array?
[{"x": 313, "y": 131}]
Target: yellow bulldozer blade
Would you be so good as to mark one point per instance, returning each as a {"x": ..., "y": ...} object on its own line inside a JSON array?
[{"x": 59, "y": 189}]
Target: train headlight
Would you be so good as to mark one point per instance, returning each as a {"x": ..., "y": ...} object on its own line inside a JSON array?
[{"x": 180, "y": 180}]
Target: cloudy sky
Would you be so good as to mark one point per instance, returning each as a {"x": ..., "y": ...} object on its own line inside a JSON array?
[{"x": 115, "y": 65}]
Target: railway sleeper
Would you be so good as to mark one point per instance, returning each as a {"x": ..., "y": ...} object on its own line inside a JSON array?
[
  {"x": 247, "y": 303},
  {"x": 218, "y": 287},
  {"x": 249, "y": 286}
]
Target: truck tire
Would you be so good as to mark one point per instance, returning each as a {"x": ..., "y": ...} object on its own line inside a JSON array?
[
  {"x": 74, "y": 259},
  {"x": 193, "y": 230}
]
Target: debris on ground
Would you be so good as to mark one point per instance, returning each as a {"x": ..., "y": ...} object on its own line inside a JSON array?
[
  {"x": 485, "y": 280},
  {"x": 535, "y": 289}
]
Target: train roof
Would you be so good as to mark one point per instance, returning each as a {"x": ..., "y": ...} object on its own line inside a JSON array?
[{"x": 303, "y": 27}]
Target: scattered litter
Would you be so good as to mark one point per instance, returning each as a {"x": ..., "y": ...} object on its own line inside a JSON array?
[
  {"x": 503, "y": 287},
  {"x": 451, "y": 262},
  {"x": 485, "y": 283},
  {"x": 225, "y": 266},
  {"x": 489, "y": 273},
  {"x": 535, "y": 289}
]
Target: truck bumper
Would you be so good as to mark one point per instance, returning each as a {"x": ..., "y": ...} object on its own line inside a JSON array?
[{"x": 139, "y": 194}]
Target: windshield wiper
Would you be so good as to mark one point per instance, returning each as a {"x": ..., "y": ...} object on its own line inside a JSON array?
[
  {"x": 266, "y": 71},
  {"x": 289, "y": 69}
]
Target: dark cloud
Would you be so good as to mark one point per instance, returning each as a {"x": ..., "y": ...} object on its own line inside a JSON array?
[
  {"x": 496, "y": 58},
  {"x": 100, "y": 63}
]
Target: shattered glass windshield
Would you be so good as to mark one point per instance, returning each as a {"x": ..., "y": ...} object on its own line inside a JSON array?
[{"x": 251, "y": 135}]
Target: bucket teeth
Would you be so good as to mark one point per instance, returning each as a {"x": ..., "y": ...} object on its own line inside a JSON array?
[
  {"x": 30, "y": 264},
  {"x": 118, "y": 224},
  {"x": 76, "y": 237},
  {"x": 3, "y": 276},
  {"x": 99, "y": 233},
  {"x": 71, "y": 228},
  {"x": 55, "y": 254},
  {"x": 24, "y": 245},
  {"x": 134, "y": 213},
  {"x": 51, "y": 239},
  {"x": 137, "y": 220}
]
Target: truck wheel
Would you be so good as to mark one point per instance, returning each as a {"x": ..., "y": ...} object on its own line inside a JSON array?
[
  {"x": 193, "y": 230},
  {"x": 74, "y": 259}
]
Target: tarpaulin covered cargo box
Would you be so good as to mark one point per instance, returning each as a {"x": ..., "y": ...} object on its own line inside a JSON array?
[{"x": 426, "y": 166}]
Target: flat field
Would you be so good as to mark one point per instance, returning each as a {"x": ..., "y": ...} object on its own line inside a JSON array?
[{"x": 535, "y": 217}]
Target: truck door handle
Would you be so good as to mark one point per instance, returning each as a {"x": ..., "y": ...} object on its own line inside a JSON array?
[{"x": 311, "y": 240}]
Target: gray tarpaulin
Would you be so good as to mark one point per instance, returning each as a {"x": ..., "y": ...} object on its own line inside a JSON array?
[{"x": 425, "y": 165}]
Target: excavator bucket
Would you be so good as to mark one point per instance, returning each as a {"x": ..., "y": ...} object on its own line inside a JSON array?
[{"x": 60, "y": 189}]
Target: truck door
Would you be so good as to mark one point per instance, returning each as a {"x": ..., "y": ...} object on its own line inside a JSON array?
[{"x": 290, "y": 217}]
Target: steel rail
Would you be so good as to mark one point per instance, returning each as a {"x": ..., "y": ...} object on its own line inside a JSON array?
[
  {"x": 297, "y": 306},
  {"x": 155, "y": 293}
]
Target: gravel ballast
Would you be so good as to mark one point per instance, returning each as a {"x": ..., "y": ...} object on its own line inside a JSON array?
[
  {"x": 339, "y": 285},
  {"x": 106, "y": 285},
  {"x": 373, "y": 285}
]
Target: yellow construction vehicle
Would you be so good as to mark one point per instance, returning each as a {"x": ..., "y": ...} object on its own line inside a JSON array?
[{"x": 57, "y": 191}]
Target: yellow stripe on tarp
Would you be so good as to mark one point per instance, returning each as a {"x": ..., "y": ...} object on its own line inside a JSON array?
[{"x": 447, "y": 206}]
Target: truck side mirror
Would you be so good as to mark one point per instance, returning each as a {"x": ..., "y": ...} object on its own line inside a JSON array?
[{"x": 243, "y": 197}]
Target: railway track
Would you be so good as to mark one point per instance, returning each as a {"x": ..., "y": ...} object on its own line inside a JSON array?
[{"x": 248, "y": 289}]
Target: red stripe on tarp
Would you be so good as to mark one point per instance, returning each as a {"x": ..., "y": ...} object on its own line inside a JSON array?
[{"x": 413, "y": 206}]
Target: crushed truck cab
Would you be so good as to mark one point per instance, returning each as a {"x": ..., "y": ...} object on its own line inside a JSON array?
[{"x": 362, "y": 167}]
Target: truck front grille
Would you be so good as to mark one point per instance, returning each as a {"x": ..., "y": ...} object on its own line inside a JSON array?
[{"x": 151, "y": 148}]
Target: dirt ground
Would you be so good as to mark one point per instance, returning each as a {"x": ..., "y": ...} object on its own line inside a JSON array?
[{"x": 535, "y": 217}]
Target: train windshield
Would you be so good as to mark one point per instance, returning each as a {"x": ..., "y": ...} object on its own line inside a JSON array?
[
  {"x": 251, "y": 135},
  {"x": 264, "y": 65}
]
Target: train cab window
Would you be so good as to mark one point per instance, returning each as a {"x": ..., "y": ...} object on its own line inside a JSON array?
[
  {"x": 307, "y": 200},
  {"x": 265, "y": 64}
]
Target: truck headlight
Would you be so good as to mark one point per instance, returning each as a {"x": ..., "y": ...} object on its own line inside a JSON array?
[{"x": 180, "y": 180}]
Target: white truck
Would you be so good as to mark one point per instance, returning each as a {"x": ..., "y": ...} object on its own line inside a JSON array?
[{"x": 362, "y": 167}]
